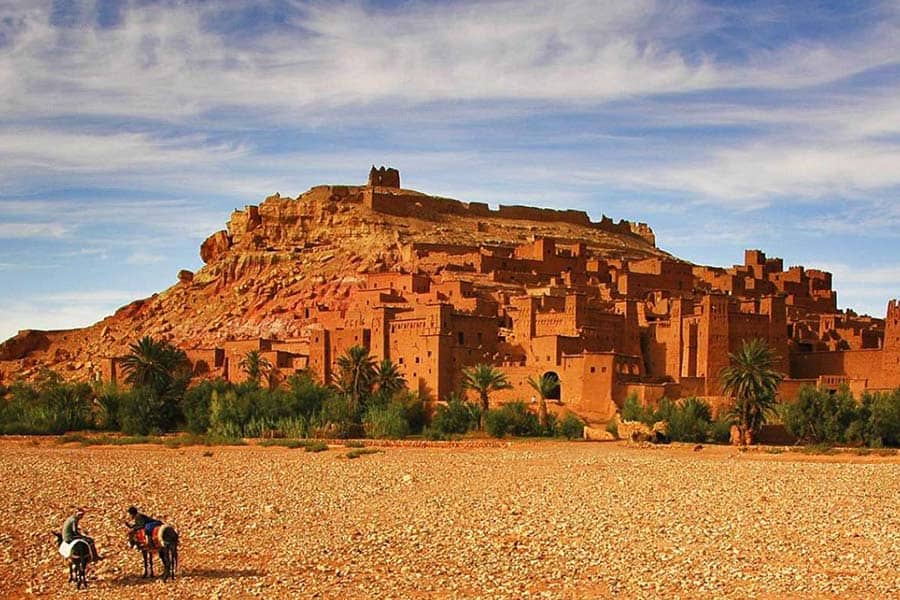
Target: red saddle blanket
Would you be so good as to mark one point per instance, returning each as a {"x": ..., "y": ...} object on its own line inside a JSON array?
[{"x": 154, "y": 540}]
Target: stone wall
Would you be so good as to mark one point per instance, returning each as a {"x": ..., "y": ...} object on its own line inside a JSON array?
[{"x": 412, "y": 204}]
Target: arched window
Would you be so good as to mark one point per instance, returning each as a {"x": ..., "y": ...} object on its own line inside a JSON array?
[{"x": 556, "y": 394}]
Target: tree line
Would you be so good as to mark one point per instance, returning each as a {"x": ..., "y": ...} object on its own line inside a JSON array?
[
  {"x": 371, "y": 398},
  {"x": 364, "y": 398}
]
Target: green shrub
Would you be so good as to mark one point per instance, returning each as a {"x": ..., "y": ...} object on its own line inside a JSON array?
[
  {"x": 49, "y": 407},
  {"x": 633, "y": 410},
  {"x": 820, "y": 417},
  {"x": 819, "y": 449},
  {"x": 195, "y": 404},
  {"x": 108, "y": 398},
  {"x": 315, "y": 446},
  {"x": 413, "y": 407},
  {"x": 283, "y": 443},
  {"x": 689, "y": 420},
  {"x": 497, "y": 423},
  {"x": 884, "y": 421},
  {"x": 259, "y": 427},
  {"x": 362, "y": 452},
  {"x": 386, "y": 422},
  {"x": 435, "y": 435},
  {"x": 71, "y": 438},
  {"x": 229, "y": 412},
  {"x": 108, "y": 440},
  {"x": 337, "y": 419},
  {"x": 225, "y": 439},
  {"x": 305, "y": 396},
  {"x": 293, "y": 427},
  {"x": 455, "y": 417},
  {"x": 552, "y": 428},
  {"x": 720, "y": 430},
  {"x": 612, "y": 427},
  {"x": 572, "y": 427},
  {"x": 64, "y": 407},
  {"x": 140, "y": 412},
  {"x": 513, "y": 418}
]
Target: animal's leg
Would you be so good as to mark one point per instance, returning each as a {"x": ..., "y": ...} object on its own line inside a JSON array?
[
  {"x": 80, "y": 577},
  {"x": 164, "y": 557}
]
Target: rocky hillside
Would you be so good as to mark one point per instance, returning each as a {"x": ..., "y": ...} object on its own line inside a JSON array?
[{"x": 291, "y": 252}]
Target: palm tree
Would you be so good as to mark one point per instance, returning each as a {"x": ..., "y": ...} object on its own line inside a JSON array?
[
  {"x": 545, "y": 385},
  {"x": 255, "y": 366},
  {"x": 154, "y": 365},
  {"x": 752, "y": 378},
  {"x": 161, "y": 372},
  {"x": 388, "y": 379},
  {"x": 355, "y": 374},
  {"x": 484, "y": 379}
]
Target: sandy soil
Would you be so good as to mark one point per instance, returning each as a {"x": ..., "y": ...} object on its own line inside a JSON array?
[{"x": 536, "y": 519}]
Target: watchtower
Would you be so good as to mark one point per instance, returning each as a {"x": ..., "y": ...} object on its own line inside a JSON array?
[{"x": 384, "y": 177}]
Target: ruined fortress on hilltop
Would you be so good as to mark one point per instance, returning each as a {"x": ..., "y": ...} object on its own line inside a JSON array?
[{"x": 437, "y": 285}]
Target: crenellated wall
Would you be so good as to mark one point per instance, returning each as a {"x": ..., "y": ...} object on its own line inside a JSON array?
[{"x": 406, "y": 203}]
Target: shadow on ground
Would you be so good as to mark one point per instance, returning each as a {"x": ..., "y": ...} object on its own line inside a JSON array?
[{"x": 136, "y": 580}]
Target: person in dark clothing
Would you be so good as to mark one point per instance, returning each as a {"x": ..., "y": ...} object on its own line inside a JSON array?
[{"x": 142, "y": 521}]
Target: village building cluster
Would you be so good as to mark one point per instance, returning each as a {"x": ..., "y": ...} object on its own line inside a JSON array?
[{"x": 606, "y": 327}]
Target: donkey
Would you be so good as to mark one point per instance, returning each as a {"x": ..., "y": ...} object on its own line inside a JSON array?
[
  {"x": 78, "y": 555},
  {"x": 164, "y": 541}
]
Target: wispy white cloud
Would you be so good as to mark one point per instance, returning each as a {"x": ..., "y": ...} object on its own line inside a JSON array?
[
  {"x": 756, "y": 175},
  {"x": 32, "y": 230},
  {"x": 144, "y": 258},
  {"x": 177, "y": 216},
  {"x": 62, "y": 151},
  {"x": 879, "y": 217},
  {"x": 61, "y": 310},
  {"x": 162, "y": 61},
  {"x": 348, "y": 62}
]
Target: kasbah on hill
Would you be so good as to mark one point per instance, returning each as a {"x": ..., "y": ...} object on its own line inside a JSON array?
[{"x": 450, "y": 284}]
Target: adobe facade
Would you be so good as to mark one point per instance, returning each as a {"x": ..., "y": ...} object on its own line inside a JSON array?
[
  {"x": 585, "y": 321},
  {"x": 606, "y": 324}
]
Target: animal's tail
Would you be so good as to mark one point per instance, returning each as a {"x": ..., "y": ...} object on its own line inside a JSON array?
[{"x": 170, "y": 536}]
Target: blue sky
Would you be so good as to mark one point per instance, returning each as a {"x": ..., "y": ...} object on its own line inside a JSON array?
[{"x": 129, "y": 130}]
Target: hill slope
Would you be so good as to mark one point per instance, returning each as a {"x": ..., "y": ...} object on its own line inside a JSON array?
[{"x": 288, "y": 253}]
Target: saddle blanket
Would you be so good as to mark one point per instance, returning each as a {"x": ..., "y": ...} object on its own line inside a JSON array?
[
  {"x": 155, "y": 537},
  {"x": 65, "y": 549}
]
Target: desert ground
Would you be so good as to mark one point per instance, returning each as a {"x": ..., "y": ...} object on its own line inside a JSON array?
[{"x": 516, "y": 520}]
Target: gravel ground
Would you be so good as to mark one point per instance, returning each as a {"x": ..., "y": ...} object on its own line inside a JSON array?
[{"x": 533, "y": 519}]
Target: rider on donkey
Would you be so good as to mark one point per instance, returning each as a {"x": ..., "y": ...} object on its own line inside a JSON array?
[
  {"x": 71, "y": 532},
  {"x": 142, "y": 521}
]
